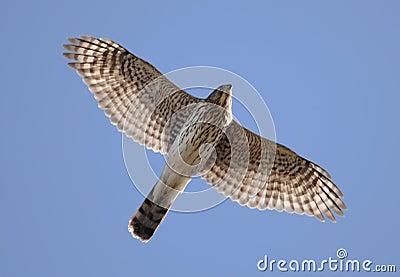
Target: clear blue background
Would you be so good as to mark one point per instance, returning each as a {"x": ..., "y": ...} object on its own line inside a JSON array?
[{"x": 328, "y": 70}]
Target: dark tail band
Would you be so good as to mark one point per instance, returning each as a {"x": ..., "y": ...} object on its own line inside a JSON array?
[{"x": 146, "y": 220}]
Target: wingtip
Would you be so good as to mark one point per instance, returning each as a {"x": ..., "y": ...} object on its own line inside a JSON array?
[
  {"x": 320, "y": 217},
  {"x": 339, "y": 213},
  {"x": 69, "y": 47},
  {"x": 330, "y": 219},
  {"x": 87, "y": 38},
  {"x": 341, "y": 204},
  {"x": 71, "y": 39},
  {"x": 70, "y": 56},
  {"x": 72, "y": 65}
]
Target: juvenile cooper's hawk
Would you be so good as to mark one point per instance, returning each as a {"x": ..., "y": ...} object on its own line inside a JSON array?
[{"x": 198, "y": 136}]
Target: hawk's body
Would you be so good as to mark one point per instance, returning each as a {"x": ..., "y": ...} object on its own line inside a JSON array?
[
  {"x": 147, "y": 107},
  {"x": 200, "y": 133}
]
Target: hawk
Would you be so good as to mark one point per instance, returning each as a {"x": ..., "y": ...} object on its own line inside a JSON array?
[{"x": 198, "y": 136}]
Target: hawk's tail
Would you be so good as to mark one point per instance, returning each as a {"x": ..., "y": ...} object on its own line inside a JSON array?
[
  {"x": 156, "y": 205},
  {"x": 146, "y": 220}
]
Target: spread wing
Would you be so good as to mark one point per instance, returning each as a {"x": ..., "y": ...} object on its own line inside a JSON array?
[
  {"x": 151, "y": 110},
  {"x": 271, "y": 176},
  {"x": 136, "y": 97}
]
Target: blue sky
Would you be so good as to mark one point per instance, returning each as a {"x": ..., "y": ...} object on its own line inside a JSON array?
[{"x": 328, "y": 71}]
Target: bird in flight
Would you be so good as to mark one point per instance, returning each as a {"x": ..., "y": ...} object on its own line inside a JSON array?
[{"x": 198, "y": 136}]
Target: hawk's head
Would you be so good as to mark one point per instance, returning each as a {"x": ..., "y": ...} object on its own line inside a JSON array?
[{"x": 222, "y": 96}]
